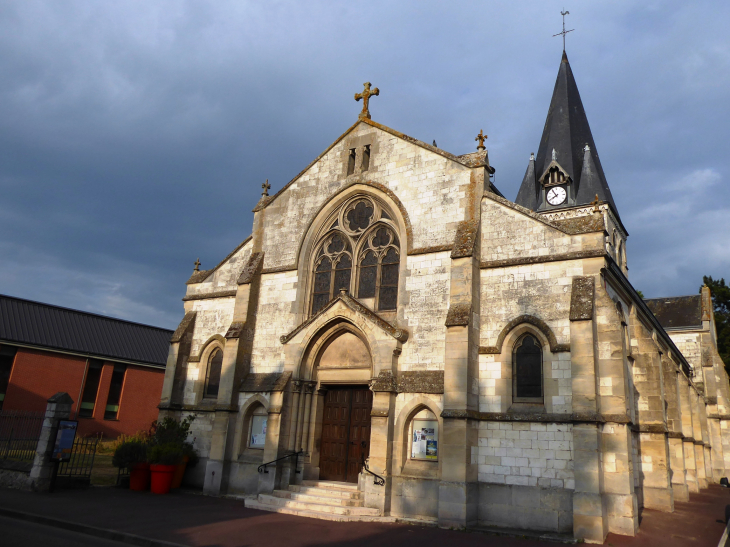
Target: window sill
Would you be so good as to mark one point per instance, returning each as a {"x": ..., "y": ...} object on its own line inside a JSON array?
[{"x": 421, "y": 468}]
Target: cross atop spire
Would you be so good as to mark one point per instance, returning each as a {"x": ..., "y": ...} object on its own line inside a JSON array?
[
  {"x": 563, "y": 13},
  {"x": 365, "y": 96},
  {"x": 481, "y": 137},
  {"x": 197, "y": 265},
  {"x": 266, "y": 187}
]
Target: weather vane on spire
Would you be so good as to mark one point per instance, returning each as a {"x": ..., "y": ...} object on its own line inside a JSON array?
[{"x": 563, "y": 13}]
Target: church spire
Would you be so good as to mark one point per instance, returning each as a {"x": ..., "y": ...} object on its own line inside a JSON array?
[{"x": 566, "y": 144}]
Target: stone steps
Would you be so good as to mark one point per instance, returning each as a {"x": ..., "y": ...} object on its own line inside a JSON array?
[
  {"x": 325, "y": 500},
  {"x": 321, "y": 500},
  {"x": 325, "y": 492},
  {"x": 316, "y": 506}
]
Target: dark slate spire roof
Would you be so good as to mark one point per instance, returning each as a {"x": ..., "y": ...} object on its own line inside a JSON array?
[{"x": 567, "y": 132}]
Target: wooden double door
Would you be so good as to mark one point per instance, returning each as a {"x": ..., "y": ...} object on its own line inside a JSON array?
[{"x": 345, "y": 433}]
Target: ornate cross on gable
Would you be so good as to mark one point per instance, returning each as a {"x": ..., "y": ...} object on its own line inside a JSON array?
[
  {"x": 266, "y": 187},
  {"x": 481, "y": 137},
  {"x": 365, "y": 96},
  {"x": 197, "y": 265}
]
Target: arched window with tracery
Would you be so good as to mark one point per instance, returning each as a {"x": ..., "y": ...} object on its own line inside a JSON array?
[
  {"x": 379, "y": 265},
  {"x": 527, "y": 370},
  {"x": 361, "y": 234},
  {"x": 333, "y": 269}
]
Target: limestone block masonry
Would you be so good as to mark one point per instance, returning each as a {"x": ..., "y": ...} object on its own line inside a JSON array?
[{"x": 397, "y": 339}]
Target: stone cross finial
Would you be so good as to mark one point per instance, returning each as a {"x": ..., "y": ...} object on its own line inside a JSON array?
[
  {"x": 595, "y": 205},
  {"x": 481, "y": 137},
  {"x": 197, "y": 265},
  {"x": 365, "y": 96},
  {"x": 266, "y": 187}
]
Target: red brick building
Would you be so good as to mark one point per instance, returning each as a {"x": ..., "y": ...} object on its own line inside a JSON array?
[{"x": 112, "y": 369}]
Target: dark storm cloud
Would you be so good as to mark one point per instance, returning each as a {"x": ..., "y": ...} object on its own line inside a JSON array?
[{"x": 134, "y": 136}]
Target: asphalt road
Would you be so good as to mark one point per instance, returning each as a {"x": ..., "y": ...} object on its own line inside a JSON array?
[{"x": 19, "y": 533}]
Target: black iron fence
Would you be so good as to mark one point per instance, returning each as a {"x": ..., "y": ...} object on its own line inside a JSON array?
[{"x": 19, "y": 434}]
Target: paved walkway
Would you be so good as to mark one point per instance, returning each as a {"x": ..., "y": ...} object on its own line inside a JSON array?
[{"x": 195, "y": 520}]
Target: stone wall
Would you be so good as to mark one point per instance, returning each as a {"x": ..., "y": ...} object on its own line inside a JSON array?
[
  {"x": 526, "y": 454},
  {"x": 275, "y": 318},
  {"x": 427, "y": 302},
  {"x": 526, "y": 508}
]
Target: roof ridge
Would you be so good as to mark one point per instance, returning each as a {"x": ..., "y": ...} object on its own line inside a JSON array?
[{"x": 83, "y": 312}]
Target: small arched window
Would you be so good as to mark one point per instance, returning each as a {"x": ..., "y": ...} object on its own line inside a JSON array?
[
  {"x": 213, "y": 374},
  {"x": 424, "y": 436},
  {"x": 527, "y": 370},
  {"x": 257, "y": 428}
]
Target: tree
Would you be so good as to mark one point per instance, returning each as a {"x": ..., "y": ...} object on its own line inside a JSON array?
[{"x": 721, "y": 306}]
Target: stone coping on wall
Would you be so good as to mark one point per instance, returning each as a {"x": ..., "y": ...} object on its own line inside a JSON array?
[
  {"x": 210, "y": 295},
  {"x": 199, "y": 277},
  {"x": 187, "y": 322}
]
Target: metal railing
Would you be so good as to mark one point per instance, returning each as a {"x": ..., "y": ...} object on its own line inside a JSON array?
[
  {"x": 262, "y": 467},
  {"x": 82, "y": 460},
  {"x": 19, "y": 434},
  {"x": 377, "y": 479}
]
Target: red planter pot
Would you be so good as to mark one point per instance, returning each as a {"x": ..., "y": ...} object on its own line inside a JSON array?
[
  {"x": 179, "y": 473},
  {"x": 139, "y": 477},
  {"x": 162, "y": 476}
]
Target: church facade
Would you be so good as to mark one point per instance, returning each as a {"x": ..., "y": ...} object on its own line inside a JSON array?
[{"x": 397, "y": 336}]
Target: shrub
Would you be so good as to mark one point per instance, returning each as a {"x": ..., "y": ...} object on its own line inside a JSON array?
[
  {"x": 129, "y": 453},
  {"x": 165, "y": 454},
  {"x": 170, "y": 430}
]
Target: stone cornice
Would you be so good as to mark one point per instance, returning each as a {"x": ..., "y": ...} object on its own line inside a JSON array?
[
  {"x": 429, "y": 250},
  {"x": 558, "y": 257},
  {"x": 574, "y": 418}
]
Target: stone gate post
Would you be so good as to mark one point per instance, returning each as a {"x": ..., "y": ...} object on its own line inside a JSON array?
[{"x": 58, "y": 408}]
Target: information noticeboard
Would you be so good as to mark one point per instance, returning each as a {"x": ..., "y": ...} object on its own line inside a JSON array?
[{"x": 64, "y": 440}]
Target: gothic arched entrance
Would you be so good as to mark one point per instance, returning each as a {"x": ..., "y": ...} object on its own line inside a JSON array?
[{"x": 343, "y": 369}]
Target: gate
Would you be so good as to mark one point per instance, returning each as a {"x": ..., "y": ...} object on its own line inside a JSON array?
[{"x": 77, "y": 471}]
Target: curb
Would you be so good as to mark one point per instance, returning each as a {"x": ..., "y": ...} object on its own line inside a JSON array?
[
  {"x": 724, "y": 537},
  {"x": 103, "y": 533}
]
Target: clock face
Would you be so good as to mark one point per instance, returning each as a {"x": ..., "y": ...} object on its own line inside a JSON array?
[{"x": 556, "y": 195}]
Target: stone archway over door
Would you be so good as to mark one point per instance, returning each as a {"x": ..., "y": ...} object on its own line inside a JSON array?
[{"x": 345, "y": 432}]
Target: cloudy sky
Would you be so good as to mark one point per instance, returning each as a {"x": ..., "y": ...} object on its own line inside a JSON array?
[{"x": 134, "y": 136}]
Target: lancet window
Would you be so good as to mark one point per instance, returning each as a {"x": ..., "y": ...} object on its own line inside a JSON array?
[
  {"x": 527, "y": 370},
  {"x": 361, "y": 237}
]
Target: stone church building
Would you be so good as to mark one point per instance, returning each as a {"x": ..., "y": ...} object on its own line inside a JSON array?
[{"x": 403, "y": 342}]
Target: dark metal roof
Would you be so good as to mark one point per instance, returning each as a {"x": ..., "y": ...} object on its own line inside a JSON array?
[
  {"x": 567, "y": 132},
  {"x": 42, "y": 325},
  {"x": 677, "y": 311}
]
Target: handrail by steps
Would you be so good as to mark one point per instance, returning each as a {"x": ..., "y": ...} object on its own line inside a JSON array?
[
  {"x": 377, "y": 480},
  {"x": 262, "y": 467}
]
